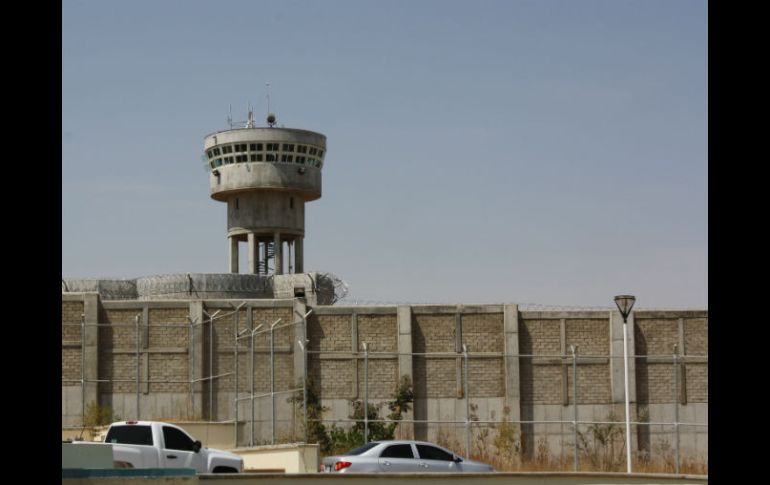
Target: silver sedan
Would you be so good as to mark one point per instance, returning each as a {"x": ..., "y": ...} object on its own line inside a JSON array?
[{"x": 401, "y": 456}]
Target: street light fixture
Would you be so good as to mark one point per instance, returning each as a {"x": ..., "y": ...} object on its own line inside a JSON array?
[{"x": 625, "y": 303}]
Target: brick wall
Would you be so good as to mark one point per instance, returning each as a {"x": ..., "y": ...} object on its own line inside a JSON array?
[
  {"x": 223, "y": 334},
  {"x": 656, "y": 336},
  {"x": 329, "y": 333},
  {"x": 379, "y": 332},
  {"x": 169, "y": 367},
  {"x": 340, "y": 376},
  {"x": 696, "y": 342},
  {"x": 593, "y": 383},
  {"x": 333, "y": 377},
  {"x": 540, "y": 384},
  {"x": 117, "y": 346},
  {"x": 697, "y": 382},
  {"x": 383, "y": 378},
  {"x": 485, "y": 377},
  {"x": 71, "y": 318},
  {"x": 482, "y": 332},
  {"x": 654, "y": 382},
  {"x": 433, "y": 376},
  {"x": 539, "y": 337},
  {"x": 70, "y": 365},
  {"x": 592, "y": 337},
  {"x": 696, "y": 336}
]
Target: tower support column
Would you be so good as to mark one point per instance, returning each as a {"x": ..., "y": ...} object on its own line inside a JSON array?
[
  {"x": 253, "y": 253},
  {"x": 299, "y": 260},
  {"x": 233, "y": 254}
]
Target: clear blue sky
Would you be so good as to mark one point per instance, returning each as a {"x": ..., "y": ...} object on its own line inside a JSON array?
[{"x": 550, "y": 152}]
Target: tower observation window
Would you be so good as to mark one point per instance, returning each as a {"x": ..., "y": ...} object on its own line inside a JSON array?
[
  {"x": 227, "y": 149},
  {"x": 270, "y": 157},
  {"x": 210, "y": 153},
  {"x": 288, "y": 147}
]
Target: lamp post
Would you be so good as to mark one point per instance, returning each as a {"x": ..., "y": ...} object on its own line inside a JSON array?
[{"x": 625, "y": 303}]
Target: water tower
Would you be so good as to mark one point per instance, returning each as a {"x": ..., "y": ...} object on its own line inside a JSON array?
[{"x": 265, "y": 175}]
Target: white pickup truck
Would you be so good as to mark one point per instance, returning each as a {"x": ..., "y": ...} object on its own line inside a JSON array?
[{"x": 150, "y": 444}]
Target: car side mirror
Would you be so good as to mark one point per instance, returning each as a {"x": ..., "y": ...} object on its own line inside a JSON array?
[
  {"x": 197, "y": 446},
  {"x": 457, "y": 459}
]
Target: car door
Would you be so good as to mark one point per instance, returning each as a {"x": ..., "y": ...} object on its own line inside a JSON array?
[
  {"x": 398, "y": 458},
  {"x": 177, "y": 451},
  {"x": 436, "y": 460}
]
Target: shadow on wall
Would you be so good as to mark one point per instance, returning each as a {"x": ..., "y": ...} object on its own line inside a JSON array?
[{"x": 420, "y": 405}]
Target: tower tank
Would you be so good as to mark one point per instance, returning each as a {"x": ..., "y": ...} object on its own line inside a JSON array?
[{"x": 265, "y": 175}]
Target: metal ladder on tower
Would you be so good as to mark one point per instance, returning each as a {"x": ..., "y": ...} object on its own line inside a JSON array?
[{"x": 264, "y": 267}]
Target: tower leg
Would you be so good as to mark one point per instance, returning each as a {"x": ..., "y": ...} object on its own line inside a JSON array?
[
  {"x": 233, "y": 254},
  {"x": 253, "y": 253},
  {"x": 299, "y": 259}
]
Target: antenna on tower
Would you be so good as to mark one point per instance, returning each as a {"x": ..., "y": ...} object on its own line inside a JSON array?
[
  {"x": 268, "y": 97},
  {"x": 230, "y": 117},
  {"x": 250, "y": 122}
]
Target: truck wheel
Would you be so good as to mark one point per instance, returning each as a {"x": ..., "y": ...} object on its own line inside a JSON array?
[{"x": 224, "y": 469}]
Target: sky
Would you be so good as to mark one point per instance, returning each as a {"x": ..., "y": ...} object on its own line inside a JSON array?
[{"x": 549, "y": 152}]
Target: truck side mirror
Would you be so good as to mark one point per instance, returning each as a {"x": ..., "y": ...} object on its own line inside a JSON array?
[{"x": 197, "y": 446}]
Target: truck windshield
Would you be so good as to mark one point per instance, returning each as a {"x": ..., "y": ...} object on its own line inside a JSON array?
[{"x": 129, "y": 435}]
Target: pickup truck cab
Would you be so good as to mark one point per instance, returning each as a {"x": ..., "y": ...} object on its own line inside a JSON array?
[{"x": 151, "y": 444}]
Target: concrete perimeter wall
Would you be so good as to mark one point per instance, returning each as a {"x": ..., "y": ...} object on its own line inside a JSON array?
[{"x": 517, "y": 368}]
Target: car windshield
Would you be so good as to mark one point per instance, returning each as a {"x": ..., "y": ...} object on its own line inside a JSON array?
[{"x": 361, "y": 449}]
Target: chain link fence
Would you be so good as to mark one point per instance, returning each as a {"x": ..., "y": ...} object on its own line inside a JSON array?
[{"x": 568, "y": 417}]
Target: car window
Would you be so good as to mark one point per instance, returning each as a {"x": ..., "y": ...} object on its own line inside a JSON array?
[
  {"x": 361, "y": 449},
  {"x": 176, "y": 440},
  {"x": 428, "y": 452},
  {"x": 397, "y": 451},
  {"x": 130, "y": 435}
]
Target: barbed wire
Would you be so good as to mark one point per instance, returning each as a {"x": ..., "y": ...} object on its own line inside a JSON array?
[{"x": 530, "y": 307}]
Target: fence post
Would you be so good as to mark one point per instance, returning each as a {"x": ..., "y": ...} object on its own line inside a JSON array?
[
  {"x": 272, "y": 382},
  {"x": 136, "y": 319},
  {"x": 83, "y": 369},
  {"x": 575, "y": 402},
  {"x": 251, "y": 371},
  {"x": 467, "y": 404},
  {"x": 303, "y": 346},
  {"x": 235, "y": 385},
  {"x": 211, "y": 368},
  {"x": 676, "y": 408},
  {"x": 366, "y": 393}
]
